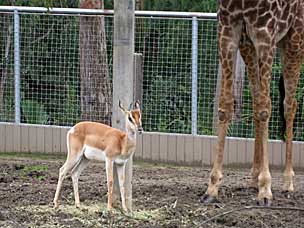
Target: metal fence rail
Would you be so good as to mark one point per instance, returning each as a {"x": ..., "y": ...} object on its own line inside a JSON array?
[{"x": 180, "y": 64}]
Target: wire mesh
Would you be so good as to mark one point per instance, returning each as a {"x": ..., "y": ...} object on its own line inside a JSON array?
[
  {"x": 66, "y": 74},
  {"x": 166, "y": 48},
  {"x": 63, "y": 76}
]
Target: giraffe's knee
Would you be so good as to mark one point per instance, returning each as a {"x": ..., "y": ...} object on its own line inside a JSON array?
[
  {"x": 224, "y": 116},
  {"x": 263, "y": 114},
  {"x": 216, "y": 177}
]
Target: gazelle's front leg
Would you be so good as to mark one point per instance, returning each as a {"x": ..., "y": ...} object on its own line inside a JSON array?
[
  {"x": 109, "y": 170},
  {"x": 121, "y": 177}
]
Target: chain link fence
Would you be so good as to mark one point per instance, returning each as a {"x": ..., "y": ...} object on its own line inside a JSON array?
[{"x": 66, "y": 73}]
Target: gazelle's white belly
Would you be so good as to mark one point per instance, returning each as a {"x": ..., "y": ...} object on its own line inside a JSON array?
[
  {"x": 96, "y": 154},
  {"x": 93, "y": 153}
]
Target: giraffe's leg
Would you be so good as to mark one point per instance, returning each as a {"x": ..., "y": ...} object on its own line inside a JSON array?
[
  {"x": 290, "y": 107},
  {"x": 292, "y": 57},
  {"x": 262, "y": 112},
  {"x": 249, "y": 56},
  {"x": 263, "y": 39},
  {"x": 228, "y": 44}
]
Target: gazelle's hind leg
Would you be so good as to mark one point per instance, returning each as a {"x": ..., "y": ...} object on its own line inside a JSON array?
[
  {"x": 73, "y": 158},
  {"x": 75, "y": 174},
  {"x": 64, "y": 170}
]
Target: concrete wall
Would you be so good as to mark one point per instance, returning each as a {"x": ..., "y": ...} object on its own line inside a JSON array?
[{"x": 158, "y": 147}]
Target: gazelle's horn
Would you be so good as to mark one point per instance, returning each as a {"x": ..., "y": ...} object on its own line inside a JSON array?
[
  {"x": 131, "y": 105},
  {"x": 120, "y": 106},
  {"x": 137, "y": 104}
]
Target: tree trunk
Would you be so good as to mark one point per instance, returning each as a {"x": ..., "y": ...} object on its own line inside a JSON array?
[
  {"x": 96, "y": 88},
  {"x": 7, "y": 27}
]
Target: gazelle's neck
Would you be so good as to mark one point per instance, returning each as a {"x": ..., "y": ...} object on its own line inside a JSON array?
[
  {"x": 131, "y": 134},
  {"x": 129, "y": 142}
]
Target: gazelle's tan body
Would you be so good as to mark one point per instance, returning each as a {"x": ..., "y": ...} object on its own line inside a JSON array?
[
  {"x": 99, "y": 140},
  {"x": 96, "y": 141}
]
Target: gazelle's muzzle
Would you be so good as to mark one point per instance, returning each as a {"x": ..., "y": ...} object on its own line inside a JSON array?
[{"x": 140, "y": 129}]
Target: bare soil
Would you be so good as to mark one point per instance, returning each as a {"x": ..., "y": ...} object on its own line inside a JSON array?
[{"x": 163, "y": 196}]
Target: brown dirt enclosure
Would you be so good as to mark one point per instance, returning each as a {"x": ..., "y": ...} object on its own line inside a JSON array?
[{"x": 163, "y": 196}]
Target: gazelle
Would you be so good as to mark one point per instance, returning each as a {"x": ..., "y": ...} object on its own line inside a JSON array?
[{"x": 95, "y": 141}]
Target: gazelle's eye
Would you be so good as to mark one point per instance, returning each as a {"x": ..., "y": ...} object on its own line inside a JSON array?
[{"x": 130, "y": 119}]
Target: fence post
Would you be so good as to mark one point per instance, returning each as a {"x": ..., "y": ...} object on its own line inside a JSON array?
[
  {"x": 123, "y": 78},
  {"x": 194, "y": 77},
  {"x": 17, "y": 65}
]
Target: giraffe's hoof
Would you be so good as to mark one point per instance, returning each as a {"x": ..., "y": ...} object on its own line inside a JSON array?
[
  {"x": 264, "y": 202},
  {"x": 207, "y": 199}
]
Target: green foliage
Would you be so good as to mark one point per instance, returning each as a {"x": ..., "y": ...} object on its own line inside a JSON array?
[
  {"x": 36, "y": 171},
  {"x": 41, "y": 3},
  {"x": 181, "y": 5},
  {"x": 34, "y": 112},
  {"x": 50, "y": 72}
]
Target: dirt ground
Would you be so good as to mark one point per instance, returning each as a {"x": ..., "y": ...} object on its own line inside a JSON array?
[{"x": 163, "y": 196}]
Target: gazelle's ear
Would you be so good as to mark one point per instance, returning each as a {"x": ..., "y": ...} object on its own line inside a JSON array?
[
  {"x": 121, "y": 107},
  {"x": 137, "y": 105}
]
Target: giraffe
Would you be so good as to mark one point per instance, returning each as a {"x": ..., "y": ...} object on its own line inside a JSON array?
[{"x": 256, "y": 28}]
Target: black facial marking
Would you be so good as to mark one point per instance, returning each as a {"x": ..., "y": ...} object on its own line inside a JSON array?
[{"x": 130, "y": 119}]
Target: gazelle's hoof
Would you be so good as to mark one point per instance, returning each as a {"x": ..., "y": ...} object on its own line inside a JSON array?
[
  {"x": 287, "y": 194},
  {"x": 264, "y": 202},
  {"x": 56, "y": 205},
  {"x": 127, "y": 212},
  {"x": 207, "y": 199}
]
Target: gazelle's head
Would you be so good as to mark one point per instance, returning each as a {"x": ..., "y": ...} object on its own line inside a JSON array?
[{"x": 133, "y": 117}]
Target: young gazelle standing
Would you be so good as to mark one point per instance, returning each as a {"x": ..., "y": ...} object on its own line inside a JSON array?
[{"x": 95, "y": 141}]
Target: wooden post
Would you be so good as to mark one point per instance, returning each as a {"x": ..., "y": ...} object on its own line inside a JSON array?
[{"x": 123, "y": 78}]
